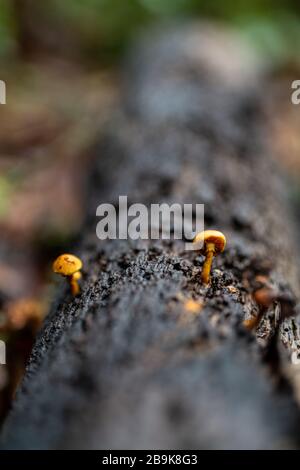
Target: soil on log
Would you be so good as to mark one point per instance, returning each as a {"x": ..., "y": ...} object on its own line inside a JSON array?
[{"x": 147, "y": 356}]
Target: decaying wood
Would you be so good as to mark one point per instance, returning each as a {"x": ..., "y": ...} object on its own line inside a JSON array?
[{"x": 146, "y": 356}]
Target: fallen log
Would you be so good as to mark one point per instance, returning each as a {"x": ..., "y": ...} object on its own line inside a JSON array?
[{"x": 147, "y": 356}]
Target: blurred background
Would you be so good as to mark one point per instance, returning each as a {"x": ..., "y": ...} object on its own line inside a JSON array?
[{"x": 60, "y": 61}]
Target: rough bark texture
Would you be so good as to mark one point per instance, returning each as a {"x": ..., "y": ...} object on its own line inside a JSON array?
[{"x": 131, "y": 363}]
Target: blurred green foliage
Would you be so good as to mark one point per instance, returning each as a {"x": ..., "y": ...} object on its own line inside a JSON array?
[
  {"x": 103, "y": 27},
  {"x": 7, "y": 31},
  {"x": 6, "y": 190}
]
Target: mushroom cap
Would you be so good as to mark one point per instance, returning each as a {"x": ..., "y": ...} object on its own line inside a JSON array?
[
  {"x": 211, "y": 236},
  {"x": 67, "y": 264}
]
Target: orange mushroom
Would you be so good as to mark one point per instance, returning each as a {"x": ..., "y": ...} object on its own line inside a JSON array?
[
  {"x": 69, "y": 266},
  {"x": 211, "y": 243}
]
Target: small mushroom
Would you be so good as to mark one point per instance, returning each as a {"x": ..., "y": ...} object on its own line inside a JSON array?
[
  {"x": 212, "y": 243},
  {"x": 69, "y": 266},
  {"x": 75, "y": 289}
]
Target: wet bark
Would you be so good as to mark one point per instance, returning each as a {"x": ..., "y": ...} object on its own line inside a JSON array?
[{"x": 147, "y": 356}]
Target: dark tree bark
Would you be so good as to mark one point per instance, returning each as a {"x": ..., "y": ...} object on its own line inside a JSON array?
[
  {"x": 40, "y": 31},
  {"x": 23, "y": 11},
  {"x": 131, "y": 363}
]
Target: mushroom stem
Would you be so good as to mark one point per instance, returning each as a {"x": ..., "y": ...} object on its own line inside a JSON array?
[
  {"x": 75, "y": 289},
  {"x": 210, "y": 251},
  {"x": 212, "y": 243}
]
